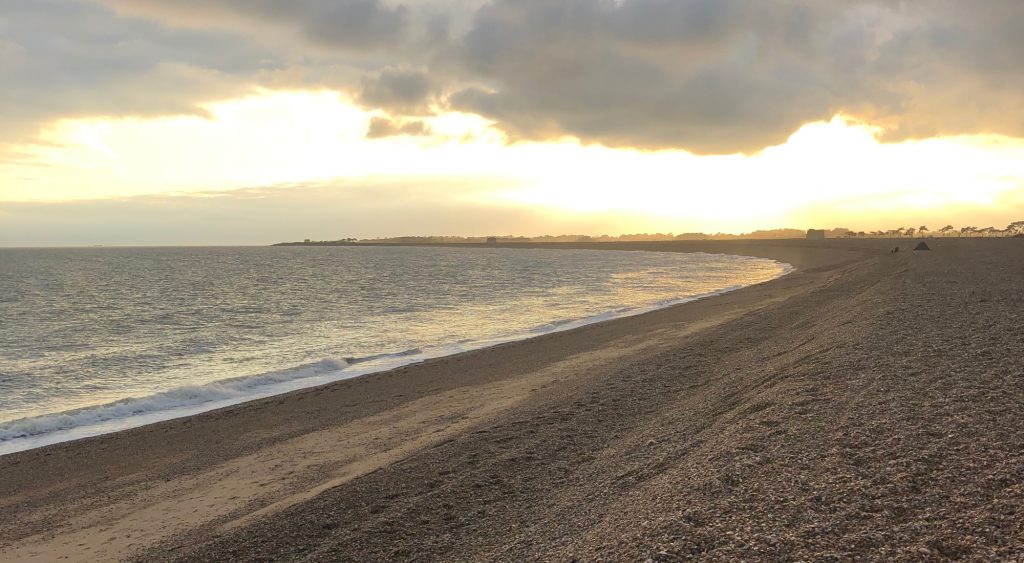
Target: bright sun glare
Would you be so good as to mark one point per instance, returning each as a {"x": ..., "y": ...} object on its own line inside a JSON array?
[{"x": 292, "y": 137}]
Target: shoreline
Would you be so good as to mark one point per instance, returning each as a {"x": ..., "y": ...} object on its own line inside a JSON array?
[
  {"x": 99, "y": 424},
  {"x": 591, "y": 443}
]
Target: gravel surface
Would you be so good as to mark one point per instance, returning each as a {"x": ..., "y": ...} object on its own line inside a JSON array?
[{"x": 880, "y": 416}]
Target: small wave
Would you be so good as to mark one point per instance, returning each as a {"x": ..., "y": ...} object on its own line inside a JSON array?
[
  {"x": 239, "y": 388},
  {"x": 374, "y": 357},
  {"x": 552, "y": 326}
]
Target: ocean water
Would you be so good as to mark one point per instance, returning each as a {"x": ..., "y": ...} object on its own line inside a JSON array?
[{"x": 101, "y": 339}]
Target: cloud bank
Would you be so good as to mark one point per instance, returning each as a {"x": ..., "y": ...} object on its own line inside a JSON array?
[{"x": 708, "y": 76}]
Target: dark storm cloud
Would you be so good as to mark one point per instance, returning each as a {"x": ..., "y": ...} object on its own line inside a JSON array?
[
  {"x": 706, "y": 75},
  {"x": 74, "y": 59},
  {"x": 381, "y": 127},
  {"x": 730, "y": 75},
  {"x": 709, "y": 76},
  {"x": 399, "y": 90}
]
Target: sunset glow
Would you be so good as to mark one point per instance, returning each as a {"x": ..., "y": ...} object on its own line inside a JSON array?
[
  {"x": 440, "y": 140},
  {"x": 291, "y": 138}
]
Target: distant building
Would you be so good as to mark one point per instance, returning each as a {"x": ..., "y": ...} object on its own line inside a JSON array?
[
  {"x": 492, "y": 240},
  {"x": 815, "y": 234}
]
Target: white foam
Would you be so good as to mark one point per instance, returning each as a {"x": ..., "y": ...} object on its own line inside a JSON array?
[{"x": 38, "y": 431}]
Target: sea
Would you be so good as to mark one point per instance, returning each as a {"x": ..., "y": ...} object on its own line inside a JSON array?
[{"x": 95, "y": 340}]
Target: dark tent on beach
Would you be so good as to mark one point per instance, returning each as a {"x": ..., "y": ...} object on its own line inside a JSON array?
[{"x": 922, "y": 246}]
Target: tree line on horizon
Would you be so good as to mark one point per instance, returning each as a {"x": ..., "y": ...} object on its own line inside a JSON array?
[{"x": 1014, "y": 229}]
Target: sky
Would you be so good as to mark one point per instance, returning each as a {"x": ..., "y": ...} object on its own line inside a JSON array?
[{"x": 256, "y": 121}]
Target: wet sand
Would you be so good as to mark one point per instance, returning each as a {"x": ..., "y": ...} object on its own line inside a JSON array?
[{"x": 867, "y": 406}]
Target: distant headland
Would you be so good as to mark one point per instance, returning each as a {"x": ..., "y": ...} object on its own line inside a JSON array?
[{"x": 1014, "y": 229}]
